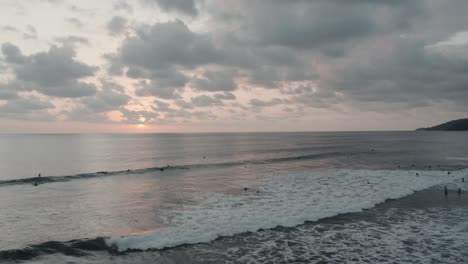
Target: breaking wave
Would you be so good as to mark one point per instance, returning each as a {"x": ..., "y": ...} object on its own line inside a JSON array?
[
  {"x": 52, "y": 179},
  {"x": 283, "y": 200}
]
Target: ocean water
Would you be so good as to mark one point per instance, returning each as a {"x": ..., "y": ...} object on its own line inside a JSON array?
[{"x": 336, "y": 197}]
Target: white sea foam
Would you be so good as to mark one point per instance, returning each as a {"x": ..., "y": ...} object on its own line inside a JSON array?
[{"x": 283, "y": 200}]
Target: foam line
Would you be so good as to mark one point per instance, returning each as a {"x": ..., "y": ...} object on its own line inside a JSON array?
[{"x": 283, "y": 200}]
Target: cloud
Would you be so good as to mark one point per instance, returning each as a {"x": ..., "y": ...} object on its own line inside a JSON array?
[
  {"x": 72, "y": 40},
  {"x": 159, "y": 53},
  {"x": 167, "y": 44},
  {"x": 116, "y": 25},
  {"x": 205, "y": 101},
  {"x": 289, "y": 58},
  {"x": 257, "y": 103},
  {"x": 7, "y": 92},
  {"x": 30, "y": 33},
  {"x": 110, "y": 97},
  {"x": 165, "y": 83},
  {"x": 30, "y": 107},
  {"x": 187, "y": 7},
  {"x": 138, "y": 117},
  {"x": 123, "y": 6},
  {"x": 214, "y": 81},
  {"x": 9, "y": 28},
  {"x": 13, "y": 54},
  {"x": 54, "y": 72},
  {"x": 75, "y": 22},
  {"x": 403, "y": 72}
]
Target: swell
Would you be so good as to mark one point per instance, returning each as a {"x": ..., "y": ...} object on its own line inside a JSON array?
[{"x": 52, "y": 179}]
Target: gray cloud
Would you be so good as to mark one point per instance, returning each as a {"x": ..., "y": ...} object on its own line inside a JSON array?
[
  {"x": 72, "y": 40},
  {"x": 117, "y": 25},
  {"x": 75, "y": 22},
  {"x": 123, "y": 6},
  {"x": 166, "y": 83},
  {"x": 25, "y": 108},
  {"x": 30, "y": 33},
  {"x": 134, "y": 117},
  {"x": 7, "y": 92},
  {"x": 225, "y": 96},
  {"x": 54, "y": 73},
  {"x": 214, "y": 81},
  {"x": 9, "y": 28},
  {"x": 409, "y": 74},
  {"x": 365, "y": 54},
  {"x": 13, "y": 54},
  {"x": 257, "y": 103},
  {"x": 159, "y": 53},
  {"x": 187, "y": 7},
  {"x": 167, "y": 44},
  {"x": 110, "y": 97},
  {"x": 205, "y": 101}
]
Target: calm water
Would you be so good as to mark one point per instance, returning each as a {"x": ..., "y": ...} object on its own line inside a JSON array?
[{"x": 156, "y": 191}]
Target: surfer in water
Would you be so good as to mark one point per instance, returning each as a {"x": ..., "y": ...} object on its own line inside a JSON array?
[
  {"x": 445, "y": 190},
  {"x": 37, "y": 180}
]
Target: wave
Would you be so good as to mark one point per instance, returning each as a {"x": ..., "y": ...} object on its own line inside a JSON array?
[
  {"x": 75, "y": 248},
  {"x": 52, "y": 179},
  {"x": 282, "y": 200}
]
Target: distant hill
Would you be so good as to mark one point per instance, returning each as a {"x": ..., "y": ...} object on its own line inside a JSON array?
[{"x": 455, "y": 125}]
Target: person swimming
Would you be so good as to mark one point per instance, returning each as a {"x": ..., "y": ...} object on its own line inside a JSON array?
[
  {"x": 417, "y": 174},
  {"x": 445, "y": 190},
  {"x": 245, "y": 189}
]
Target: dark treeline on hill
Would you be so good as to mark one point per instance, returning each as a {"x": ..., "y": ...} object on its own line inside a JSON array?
[{"x": 455, "y": 125}]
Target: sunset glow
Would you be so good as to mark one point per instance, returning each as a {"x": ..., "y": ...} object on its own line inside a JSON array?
[{"x": 197, "y": 66}]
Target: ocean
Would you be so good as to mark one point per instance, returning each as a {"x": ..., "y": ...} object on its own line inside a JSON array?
[{"x": 325, "y": 197}]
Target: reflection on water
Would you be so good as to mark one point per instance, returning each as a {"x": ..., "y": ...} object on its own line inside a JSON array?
[{"x": 135, "y": 203}]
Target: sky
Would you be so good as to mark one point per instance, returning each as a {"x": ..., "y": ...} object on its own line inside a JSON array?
[{"x": 231, "y": 66}]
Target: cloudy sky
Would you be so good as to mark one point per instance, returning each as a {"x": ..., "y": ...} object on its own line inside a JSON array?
[{"x": 232, "y": 65}]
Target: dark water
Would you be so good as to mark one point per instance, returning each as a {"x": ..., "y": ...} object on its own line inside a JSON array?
[{"x": 180, "y": 198}]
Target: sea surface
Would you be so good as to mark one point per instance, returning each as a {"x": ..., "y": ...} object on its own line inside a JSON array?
[{"x": 328, "y": 197}]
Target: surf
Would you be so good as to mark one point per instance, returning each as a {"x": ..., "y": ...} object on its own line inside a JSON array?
[
  {"x": 282, "y": 200},
  {"x": 160, "y": 169}
]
